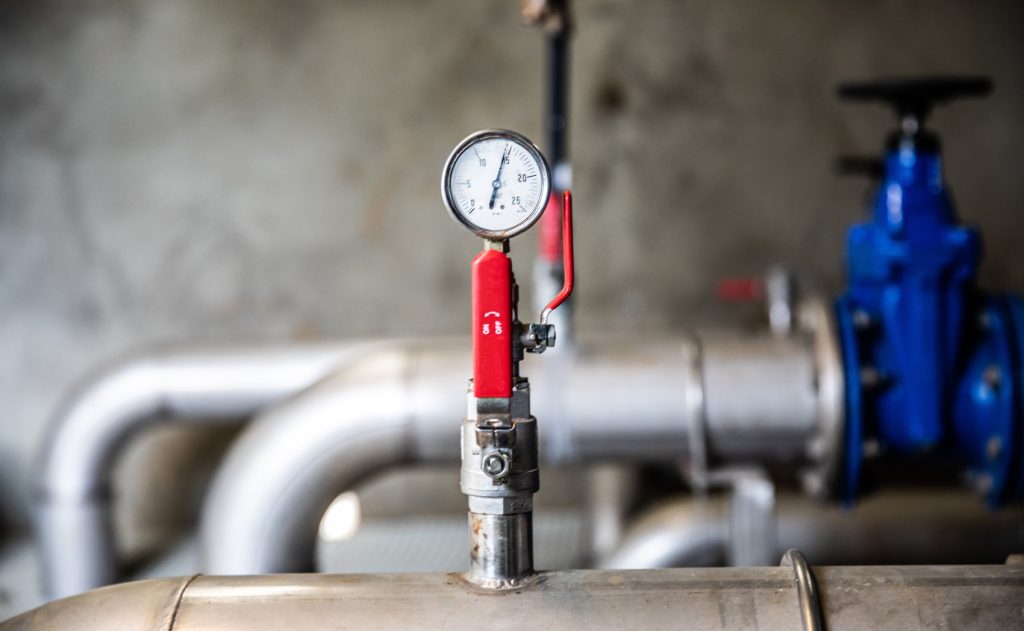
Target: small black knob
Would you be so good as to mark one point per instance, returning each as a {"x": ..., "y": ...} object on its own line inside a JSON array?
[{"x": 871, "y": 167}]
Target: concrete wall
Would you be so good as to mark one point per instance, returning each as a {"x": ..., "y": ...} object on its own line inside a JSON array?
[{"x": 256, "y": 170}]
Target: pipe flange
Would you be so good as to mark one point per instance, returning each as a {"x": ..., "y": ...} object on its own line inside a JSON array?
[
  {"x": 695, "y": 465},
  {"x": 826, "y": 448}
]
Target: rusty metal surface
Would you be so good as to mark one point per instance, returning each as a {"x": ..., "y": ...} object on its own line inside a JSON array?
[{"x": 501, "y": 550}]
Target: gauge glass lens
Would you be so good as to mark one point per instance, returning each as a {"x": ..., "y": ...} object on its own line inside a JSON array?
[{"x": 497, "y": 185}]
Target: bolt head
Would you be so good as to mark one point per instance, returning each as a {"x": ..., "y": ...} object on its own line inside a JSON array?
[
  {"x": 992, "y": 377},
  {"x": 862, "y": 320},
  {"x": 871, "y": 448},
  {"x": 983, "y": 483},
  {"x": 994, "y": 448},
  {"x": 495, "y": 465},
  {"x": 549, "y": 335},
  {"x": 870, "y": 377},
  {"x": 813, "y": 484}
]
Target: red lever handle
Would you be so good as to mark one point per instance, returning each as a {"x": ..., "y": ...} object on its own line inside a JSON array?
[
  {"x": 492, "y": 325},
  {"x": 739, "y": 289},
  {"x": 492, "y": 312},
  {"x": 567, "y": 259}
]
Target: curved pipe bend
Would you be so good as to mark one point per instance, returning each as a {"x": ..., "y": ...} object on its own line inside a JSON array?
[
  {"x": 277, "y": 478},
  {"x": 207, "y": 387},
  {"x": 691, "y": 533}
]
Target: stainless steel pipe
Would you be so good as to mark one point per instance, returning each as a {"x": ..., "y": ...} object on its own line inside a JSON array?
[
  {"x": 211, "y": 386},
  {"x": 635, "y": 402},
  {"x": 851, "y": 598},
  {"x": 406, "y": 404},
  {"x": 399, "y": 404},
  {"x": 895, "y": 527},
  {"x": 681, "y": 533},
  {"x": 760, "y": 398}
]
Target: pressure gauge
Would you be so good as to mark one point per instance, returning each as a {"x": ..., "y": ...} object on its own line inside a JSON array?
[{"x": 496, "y": 183}]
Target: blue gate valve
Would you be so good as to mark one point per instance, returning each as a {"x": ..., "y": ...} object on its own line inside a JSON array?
[{"x": 933, "y": 365}]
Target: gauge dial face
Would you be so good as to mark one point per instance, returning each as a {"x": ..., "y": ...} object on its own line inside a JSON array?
[{"x": 496, "y": 183}]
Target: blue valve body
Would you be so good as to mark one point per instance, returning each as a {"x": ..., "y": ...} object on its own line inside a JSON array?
[{"x": 933, "y": 366}]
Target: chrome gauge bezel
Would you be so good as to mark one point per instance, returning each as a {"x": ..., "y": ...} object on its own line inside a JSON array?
[{"x": 542, "y": 200}]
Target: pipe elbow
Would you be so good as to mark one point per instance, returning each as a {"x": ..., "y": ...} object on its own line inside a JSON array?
[
  {"x": 288, "y": 465},
  {"x": 217, "y": 385},
  {"x": 213, "y": 386},
  {"x": 93, "y": 423},
  {"x": 694, "y": 534}
]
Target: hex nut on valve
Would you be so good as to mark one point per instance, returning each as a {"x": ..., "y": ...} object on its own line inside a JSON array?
[
  {"x": 539, "y": 337},
  {"x": 496, "y": 465}
]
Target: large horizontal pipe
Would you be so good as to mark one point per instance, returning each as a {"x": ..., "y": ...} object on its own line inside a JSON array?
[
  {"x": 210, "y": 386},
  {"x": 874, "y": 598},
  {"x": 633, "y": 404},
  {"x": 404, "y": 404},
  {"x": 895, "y": 527}
]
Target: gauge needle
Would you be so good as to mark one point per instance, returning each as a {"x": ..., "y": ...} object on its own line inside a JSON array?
[{"x": 496, "y": 184}]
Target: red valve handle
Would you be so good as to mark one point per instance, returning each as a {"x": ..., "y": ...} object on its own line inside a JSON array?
[
  {"x": 492, "y": 325},
  {"x": 739, "y": 289},
  {"x": 492, "y": 312},
  {"x": 549, "y": 243},
  {"x": 567, "y": 259}
]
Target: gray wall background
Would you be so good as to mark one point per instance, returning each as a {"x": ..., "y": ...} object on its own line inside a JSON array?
[{"x": 251, "y": 170}]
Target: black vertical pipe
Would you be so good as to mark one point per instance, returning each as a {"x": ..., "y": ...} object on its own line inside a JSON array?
[{"x": 558, "y": 90}]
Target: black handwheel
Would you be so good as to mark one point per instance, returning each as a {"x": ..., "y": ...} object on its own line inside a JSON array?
[{"x": 915, "y": 96}]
